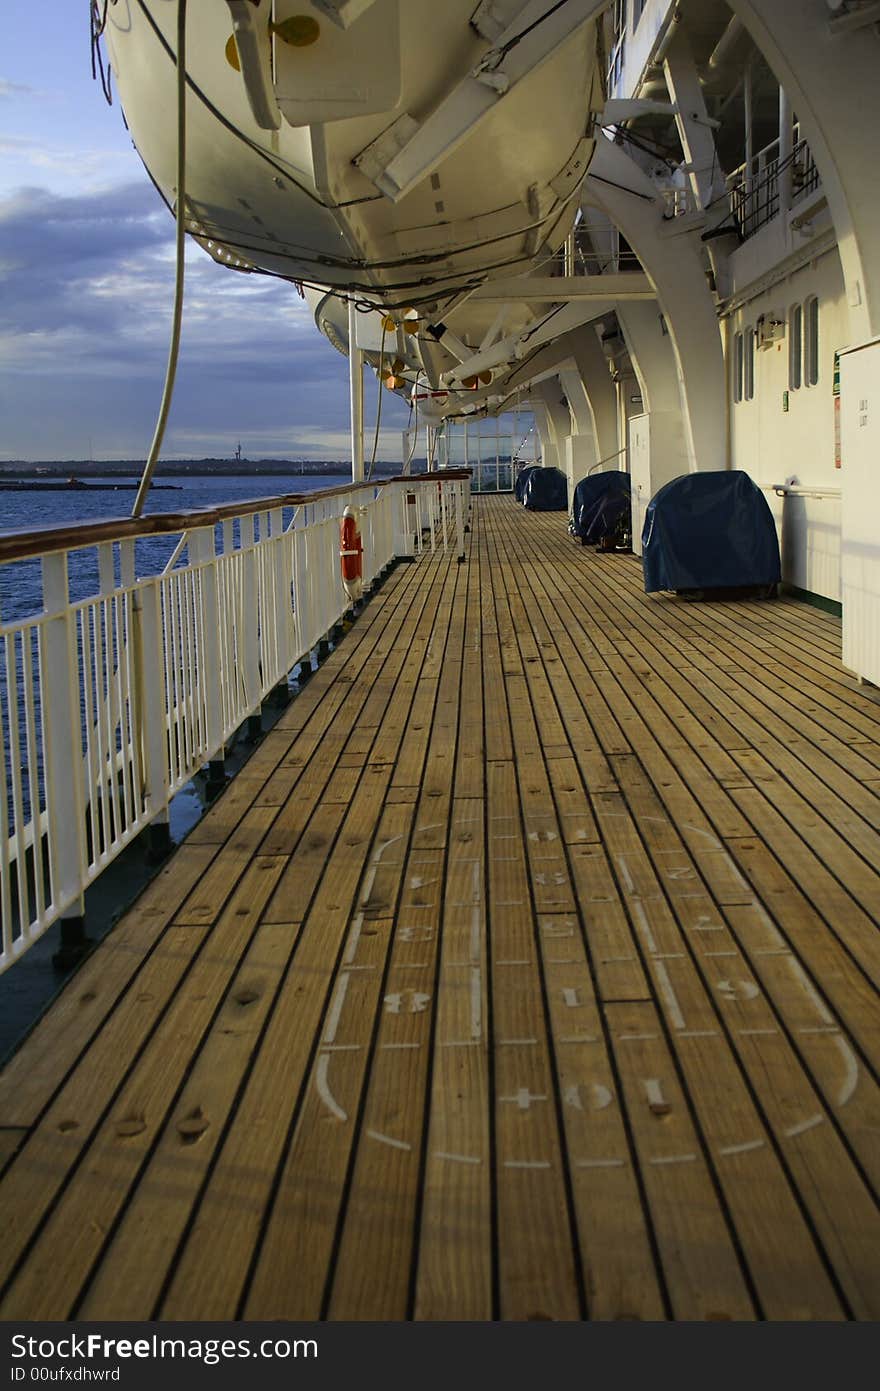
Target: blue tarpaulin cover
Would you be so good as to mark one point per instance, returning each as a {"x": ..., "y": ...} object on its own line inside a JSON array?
[
  {"x": 522, "y": 479},
  {"x": 709, "y": 531},
  {"x": 599, "y": 503},
  {"x": 546, "y": 490}
]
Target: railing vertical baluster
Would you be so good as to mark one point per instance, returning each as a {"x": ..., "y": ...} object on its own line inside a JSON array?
[
  {"x": 154, "y": 735},
  {"x": 297, "y": 537},
  {"x": 27, "y": 657},
  {"x": 251, "y": 619},
  {"x": 202, "y": 550},
  {"x": 171, "y": 667},
  {"x": 86, "y": 619},
  {"x": 279, "y": 628},
  {"x": 18, "y": 815},
  {"x": 6, "y": 869}
]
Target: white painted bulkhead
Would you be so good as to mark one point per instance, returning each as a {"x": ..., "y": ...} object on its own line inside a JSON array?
[{"x": 797, "y": 446}]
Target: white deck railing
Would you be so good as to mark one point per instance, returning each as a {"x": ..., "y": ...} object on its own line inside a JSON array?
[{"x": 111, "y": 700}]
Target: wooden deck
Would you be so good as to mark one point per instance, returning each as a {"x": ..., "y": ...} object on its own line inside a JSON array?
[{"x": 527, "y": 971}]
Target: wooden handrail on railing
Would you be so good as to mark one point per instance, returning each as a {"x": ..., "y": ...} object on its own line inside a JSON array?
[{"x": 66, "y": 536}]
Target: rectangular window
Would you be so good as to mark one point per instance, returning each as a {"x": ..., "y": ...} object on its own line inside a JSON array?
[
  {"x": 811, "y": 341},
  {"x": 795, "y": 345},
  {"x": 749, "y": 365},
  {"x": 738, "y": 367},
  {"x": 638, "y": 7}
]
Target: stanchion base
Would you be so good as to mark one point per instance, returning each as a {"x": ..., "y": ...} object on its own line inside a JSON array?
[
  {"x": 74, "y": 945},
  {"x": 217, "y": 779},
  {"x": 159, "y": 844}
]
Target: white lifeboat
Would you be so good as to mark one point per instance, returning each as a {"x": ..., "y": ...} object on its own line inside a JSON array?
[{"x": 399, "y": 150}]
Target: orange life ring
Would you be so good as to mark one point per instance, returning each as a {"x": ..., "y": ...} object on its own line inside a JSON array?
[{"x": 351, "y": 550}]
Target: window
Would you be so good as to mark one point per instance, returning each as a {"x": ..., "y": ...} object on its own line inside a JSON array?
[
  {"x": 738, "y": 367},
  {"x": 795, "y": 345},
  {"x": 618, "y": 43},
  {"x": 811, "y": 341},
  {"x": 749, "y": 365},
  {"x": 638, "y": 7}
]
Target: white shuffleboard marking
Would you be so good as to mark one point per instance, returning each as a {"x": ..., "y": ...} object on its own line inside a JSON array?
[
  {"x": 742, "y": 1149},
  {"x": 851, "y": 1079},
  {"x": 803, "y": 1126},
  {"x": 336, "y": 1008},
  {"x": 388, "y": 1140},
  {"x": 324, "y": 1091},
  {"x": 669, "y": 996}
]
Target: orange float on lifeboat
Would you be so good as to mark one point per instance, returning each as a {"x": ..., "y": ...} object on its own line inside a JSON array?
[{"x": 351, "y": 555}]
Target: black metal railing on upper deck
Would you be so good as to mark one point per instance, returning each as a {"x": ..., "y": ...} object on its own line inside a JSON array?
[{"x": 755, "y": 189}]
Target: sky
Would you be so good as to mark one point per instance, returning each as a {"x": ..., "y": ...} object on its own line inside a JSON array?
[{"x": 87, "y": 283}]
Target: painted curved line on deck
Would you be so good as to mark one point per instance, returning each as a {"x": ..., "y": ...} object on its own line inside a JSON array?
[
  {"x": 389, "y": 1140},
  {"x": 742, "y": 1149},
  {"x": 335, "y": 1013},
  {"x": 803, "y": 1126},
  {"x": 851, "y": 1080},
  {"x": 707, "y": 835},
  {"x": 324, "y": 1091},
  {"x": 600, "y": 1163},
  {"x": 423, "y": 830},
  {"x": 458, "y": 1158},
  {"x": 370, "y": 879}
]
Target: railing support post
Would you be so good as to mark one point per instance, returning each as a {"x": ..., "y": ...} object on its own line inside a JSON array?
[
  {"x": 151, "y": 714},
  {"x": 59, "y": 685},
  {"x": 459, "y": 520},
  {"x": 159, "y": 842}
]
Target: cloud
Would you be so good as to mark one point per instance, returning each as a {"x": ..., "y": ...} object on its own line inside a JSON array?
[
  {"x": 86, "y": 288},
  {"x": 15, "y": 89}
]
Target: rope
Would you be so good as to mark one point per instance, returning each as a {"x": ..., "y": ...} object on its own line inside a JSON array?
[
  {"x": 378, "y": 407},
  {"x": 174, "y": 346}
]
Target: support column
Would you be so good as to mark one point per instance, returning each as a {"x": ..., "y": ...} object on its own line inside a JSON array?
[
  {"x": 785, "y": 147},
  {"x": 558, "y": 422},
  {"x": 695, "y": 129},
  {"x": 674, "y": 263},
  {"x": 748, "y": 129},
  {"x": 652, "y": 357},
  {"x": 593, "y": 367},
  {"x": 356, "y": 394},
  {"x": 579, "y": 453}
]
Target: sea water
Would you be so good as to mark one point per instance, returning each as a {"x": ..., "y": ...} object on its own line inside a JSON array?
[{"x": 20, "y": 582}]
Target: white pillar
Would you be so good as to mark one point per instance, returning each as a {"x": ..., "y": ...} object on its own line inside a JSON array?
[
  {"x": 356, "y": 394},
  {"x": 675, "y": 266},
  {"x": 593, "y": 367},
  {"x": 748, "y": 138},
  {"x": 695, "y": 130},
  {"x": 785, "y": 148}
]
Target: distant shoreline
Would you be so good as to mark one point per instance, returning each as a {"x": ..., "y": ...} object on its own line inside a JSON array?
[{"x": 197, "y": 468}]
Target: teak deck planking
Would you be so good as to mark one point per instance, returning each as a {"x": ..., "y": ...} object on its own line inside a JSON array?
[{"x": 528, "y": 970}]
